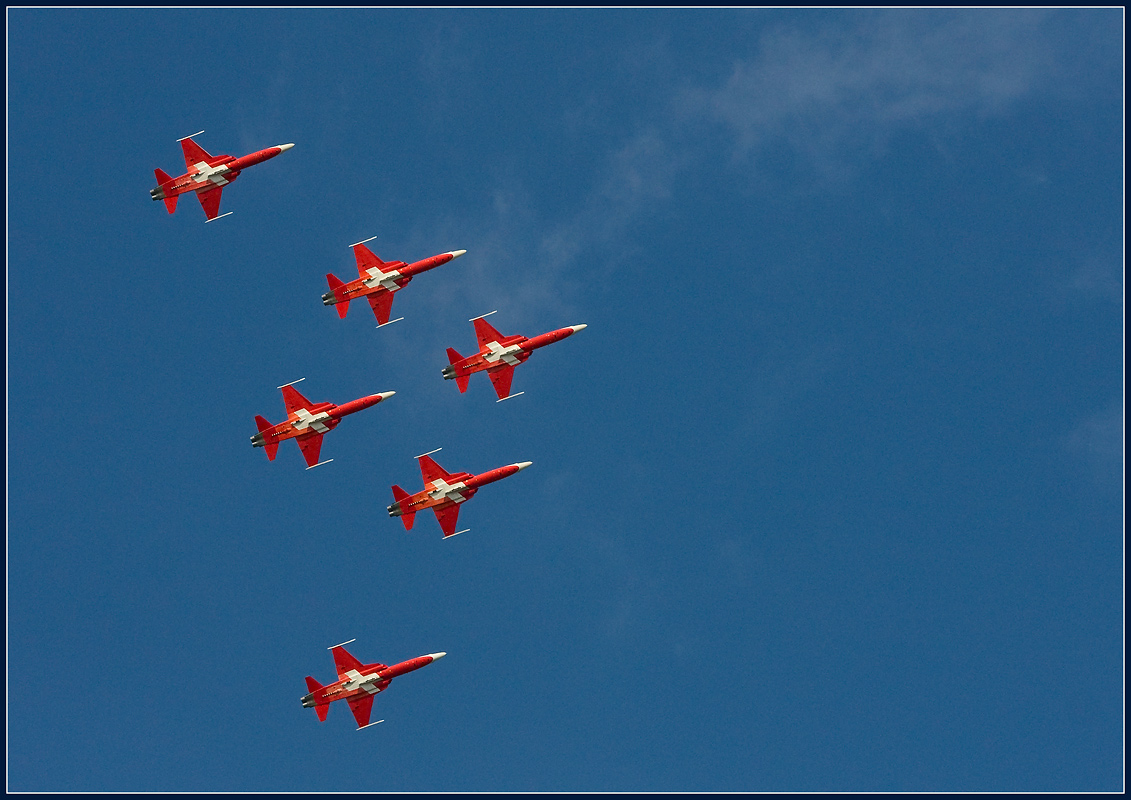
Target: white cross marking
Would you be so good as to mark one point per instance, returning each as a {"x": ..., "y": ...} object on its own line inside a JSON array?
[
  {"x": 496, "y": 352},
  {"x": 308, "y": 420},
  {"x": 206, "y": 173},
  {"x": 359, "y": 681},
  {"x": 451, "y": 491},
  {"x": 379, "y": 278}
]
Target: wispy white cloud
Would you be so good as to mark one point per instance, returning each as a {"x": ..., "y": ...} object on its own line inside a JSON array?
[
  {"x": 853, "y": 86},
  {"x": 823, "y": 93},
  {"x": 1099, "y": 277},
  {"x": 1097, "y": 443}
]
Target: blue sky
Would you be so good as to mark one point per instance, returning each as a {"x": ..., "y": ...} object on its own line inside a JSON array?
[{"x": 828, "y": 495}]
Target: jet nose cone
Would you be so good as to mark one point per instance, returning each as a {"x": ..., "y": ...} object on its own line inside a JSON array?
[
  {"x": 523, "y": 465},
  {"x": 457, "y": 253},
  {"x": 577, "y": 328},
  {"x": 437, "y": 656},
  {"x": 285, "y": 147},
  {"x": 386, "y": 395}
]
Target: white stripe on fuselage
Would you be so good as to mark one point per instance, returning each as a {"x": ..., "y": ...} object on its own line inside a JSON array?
[
  {"x": 444, "y": 490},
  {"x": 497, "y": 352},
  {"x": 379, "y": 278},
  {"x": 206, "y": 173},
  {"x": 308, "y": 420}
]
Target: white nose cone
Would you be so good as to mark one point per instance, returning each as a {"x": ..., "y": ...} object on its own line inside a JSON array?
[
  {"x": 577, "y": 328},
  {"x": 437, "y": 656},
  {"x": 523, "y": 465},
  {"x": 386, "y": 395},
  {"x": 457, "y": 253},
  {"x": 285, "y": 147}
]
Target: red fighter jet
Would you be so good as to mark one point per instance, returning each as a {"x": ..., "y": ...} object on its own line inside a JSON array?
[
  {"x": 499, "y": 355},
  {"x": 307, "y": 422},
  {"x": 207, "y": 176},
  {"x": 358, "y": 684},
  {"x": 379, "y": 279},
  {"x": 443, "y": 492}
]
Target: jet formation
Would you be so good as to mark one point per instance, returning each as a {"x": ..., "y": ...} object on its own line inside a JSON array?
[
  {"x": 358, "y": 684},
  {"x": 444, "y": 491},
  {"x": 207, "y": 175},
  {"x": 498, "y": 356},
  {"x": 378, "y": 280},
  {"x": 307, "y": 422}
]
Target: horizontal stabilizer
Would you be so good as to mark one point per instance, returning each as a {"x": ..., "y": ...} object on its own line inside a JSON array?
[
  {"x": 400, "y": 495},
  {"x": 164, "y": 183},
  {"x": 321, "y": 709},
  {"x": 270, "y": 447},
  {"x": 461, "y": 380},
  {"x": 336, "y": 287}
]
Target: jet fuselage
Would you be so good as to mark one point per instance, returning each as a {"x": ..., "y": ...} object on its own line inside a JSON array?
[
  {"x": 211, "y": 173},
  {"x": 393, "y": 275},
  {"x": 319, "y": 418}
]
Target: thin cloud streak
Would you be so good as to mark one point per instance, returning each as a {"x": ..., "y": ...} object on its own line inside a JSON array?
[{"x": 892, "y": 70}]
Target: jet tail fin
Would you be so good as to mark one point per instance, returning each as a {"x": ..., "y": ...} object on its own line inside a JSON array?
[
  {"x": 162, "y": 180},
  {"x": 335, "y": 285},
  {"x": 321, "y": 709},
  {"x": 399, "y": 495},
  {"x": 270, "y": 447},
  {"x": 461, "y": 380}
]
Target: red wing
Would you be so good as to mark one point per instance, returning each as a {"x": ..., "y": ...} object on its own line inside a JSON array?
[
  {"x": 430, "y": 470},
  {"x": 294, "y": 400},
  {"x": 366, "y": 260},
  {"x": 361, "y": 707},
  {"x": 501, "y": 380},
  {"x": 343, "y": 661},
  {"x": 447, "y": 519},
  {"x": 210, "y": 202},
  {"x": 382, "y": 305},
  {"x": 485, "y": 333},
  {"x": 194, "y": 153},
  {"x": 310, "y": 447}
]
